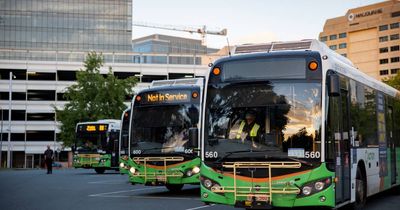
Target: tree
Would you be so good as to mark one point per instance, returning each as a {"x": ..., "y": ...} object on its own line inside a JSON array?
[
  {"x": 394, "y": 81},
  {"x": 93, "y": 97}
]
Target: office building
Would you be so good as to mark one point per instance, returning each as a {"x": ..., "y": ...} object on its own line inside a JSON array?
[
  {"x": 175, "y": 46},
  {"x": 369, "y": 36}
]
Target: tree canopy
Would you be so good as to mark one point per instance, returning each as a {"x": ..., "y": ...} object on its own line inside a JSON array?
[
  {"x": 93, "y": 97},
  {"x": 394, "y": 81}
]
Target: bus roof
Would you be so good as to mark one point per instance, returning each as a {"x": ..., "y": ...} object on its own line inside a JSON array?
[
  {"x": 330, "y": 59},
  {"x": 176, "y": 82}
]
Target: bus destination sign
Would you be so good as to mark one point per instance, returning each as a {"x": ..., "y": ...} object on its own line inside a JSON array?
[{"x": 166, "y": 97}]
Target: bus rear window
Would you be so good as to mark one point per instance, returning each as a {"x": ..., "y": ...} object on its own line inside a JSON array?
[{"x": 258, "y": 69}]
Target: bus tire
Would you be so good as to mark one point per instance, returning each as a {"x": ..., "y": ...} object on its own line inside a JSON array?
[
  {"x": 99, "y": 170},
  {"x": 361, "y": 190},
  {"x": 174, "y": 187}
]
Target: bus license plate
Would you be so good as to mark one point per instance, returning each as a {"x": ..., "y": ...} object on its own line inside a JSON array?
[{"x": 262, "y": 198}]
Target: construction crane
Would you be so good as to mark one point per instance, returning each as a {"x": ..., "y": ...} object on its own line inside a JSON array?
[{"x": 203, "y": 31}]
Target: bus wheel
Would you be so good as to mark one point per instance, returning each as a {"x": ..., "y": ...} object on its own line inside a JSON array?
[
  {"x": 361, "y": 191},
  {"x": 100, "y": 170},
  {"x": 174, "y": 187}
]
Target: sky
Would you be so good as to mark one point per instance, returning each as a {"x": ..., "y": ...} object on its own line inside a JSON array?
[{"x": 247, "y": 21}]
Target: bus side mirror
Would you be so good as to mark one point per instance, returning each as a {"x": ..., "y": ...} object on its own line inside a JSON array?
[
  {"x": 333, "y": 85},
  {"x": 194, "y": 137}
]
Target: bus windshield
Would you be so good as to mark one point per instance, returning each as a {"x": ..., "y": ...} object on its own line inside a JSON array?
[
  {"x": 90, "y": 142},
  {"x": 262, "y": 120},
  {"x": 162, "y": 129}
]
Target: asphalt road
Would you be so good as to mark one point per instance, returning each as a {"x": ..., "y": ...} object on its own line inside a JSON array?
[{"x": 84, "y": 189}]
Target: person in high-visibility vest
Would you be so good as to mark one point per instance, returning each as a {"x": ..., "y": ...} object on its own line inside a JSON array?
[{"x": 248, "y": 128}]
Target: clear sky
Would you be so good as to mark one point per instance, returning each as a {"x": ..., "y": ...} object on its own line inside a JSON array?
[{"x": 247, "y": 21}]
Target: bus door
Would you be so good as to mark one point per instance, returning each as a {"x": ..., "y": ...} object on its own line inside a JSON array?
[
  {"x": 391, "y": 145},
  {"x": 113, "y": 146},
  {"x": 338, "y": 144},
  {"x": 343, "y": 154}
]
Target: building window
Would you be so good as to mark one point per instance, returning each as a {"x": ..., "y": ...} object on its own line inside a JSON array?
[
  {"x": 41, "y": 95},
  {"x": 394, "y": 37},
  {"x": 342, "y": 45},
  {"x": 342, "y": 35},
  {"x": 396, "y": 14},
  {"x": 344, "y": 55},
  {"x": 41, "y": 76},
  {"x": 383, "y": 39},
  {"x": 383, "y": 72},
  {"x": 333, "y": 37},
  {"x": 150, "y": 78},
  {"x": 18, "y": 74},
  {"x": 383, "y": 50},
  {"x": 395, "y": 48},
  {"x": 179, "y": 76},
  {"x": 18, "y": 115},
  {"x": 394, "y": 71},
  {"x": 333, "y": 47},
  {"x": 61, "y": 97},
  {"x": 124, "y": 75},
  {"x": 395, "y": 59},
  {"x": 40, "y": 116},
  {"x": 64, "y": 75},
  {"x": 323, "y": 38},
  {"x": 40, "y": 135},
  {"x": 384, "y": 61},
  {"x": 394, "y": 25},
  {"x": 383, "y": 27},
  {"x": 17, "y": 136}
]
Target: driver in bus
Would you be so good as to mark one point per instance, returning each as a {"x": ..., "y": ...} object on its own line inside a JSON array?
[{"x": 248, "y": 128}]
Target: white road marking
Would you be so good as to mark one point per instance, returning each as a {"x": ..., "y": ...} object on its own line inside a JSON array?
[
  {"x": 123, "y": 191},
  {"x": 201, "y": 207}
]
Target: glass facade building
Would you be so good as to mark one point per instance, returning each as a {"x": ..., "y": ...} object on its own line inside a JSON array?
[
  {"x": 164, "y": 44},
  {"x": 66, "y": 25}
]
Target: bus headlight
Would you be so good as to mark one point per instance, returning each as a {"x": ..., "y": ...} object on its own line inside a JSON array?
[
  {"x": 319, "y": 186},
  {"x": 132, "y": 170},
  {"x": 207, "y": 183},
  {"x": 211, "y": 185},
  {"x": 196, "y": 170},
  {"x": 189, "y": 173},
  {"x": 121, "y": 165},
  {"x": 307, "y": 190},
  {"x": 316, "y": 186}
]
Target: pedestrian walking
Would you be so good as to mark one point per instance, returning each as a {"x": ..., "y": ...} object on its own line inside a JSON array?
[{"x": 48, "y": 157}]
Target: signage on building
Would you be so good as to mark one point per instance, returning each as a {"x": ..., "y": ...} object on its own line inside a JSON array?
[{"x": 353, "y": 16}]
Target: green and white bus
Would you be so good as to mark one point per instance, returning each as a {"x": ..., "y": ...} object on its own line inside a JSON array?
[
  {"x": 164, "y": 118},
  {"x": 124, "y": 142},
  {"x": 296, "y": 125},
  {"x": 96, "y": 145}
]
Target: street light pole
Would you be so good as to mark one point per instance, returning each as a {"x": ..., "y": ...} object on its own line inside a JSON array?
[{"x": 9, "y": 120}]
